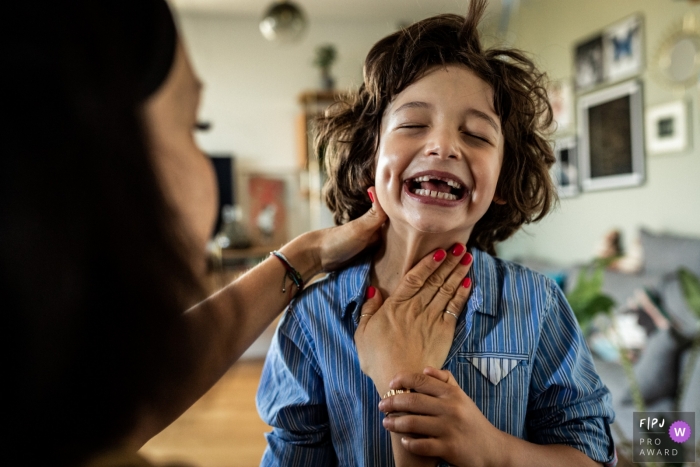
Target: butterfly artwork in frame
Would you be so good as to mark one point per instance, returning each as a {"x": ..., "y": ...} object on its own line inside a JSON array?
[{"x": 623, "y": 54}]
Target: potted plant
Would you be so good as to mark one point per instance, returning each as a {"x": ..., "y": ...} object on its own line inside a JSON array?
[{"x": 325, "y": 57}]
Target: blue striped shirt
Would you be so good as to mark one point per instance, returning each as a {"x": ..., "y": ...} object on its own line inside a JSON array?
[{"x": 518, "y": 352}]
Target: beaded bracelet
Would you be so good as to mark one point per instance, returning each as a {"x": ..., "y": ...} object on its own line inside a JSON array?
[
  {"x": 393, "y": 392},
  {"x": 292, "y": 273}
]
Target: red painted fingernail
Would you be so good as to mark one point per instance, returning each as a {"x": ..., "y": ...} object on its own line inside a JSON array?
[
  {"x": 458, "y": 249},
  {"x": 466, "y": 259},
  {"x": 466, "y": 282},
  {"x": 371, "y": 196},
  {"x": 371, "y": 291},
  {"x": 439, "y": 255}
]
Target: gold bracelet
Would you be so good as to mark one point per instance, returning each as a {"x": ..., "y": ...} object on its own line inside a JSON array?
[{"x": 393, "y": 392}]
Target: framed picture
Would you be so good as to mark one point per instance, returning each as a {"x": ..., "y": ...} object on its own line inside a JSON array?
[
  {"x": 565, "y": 169},
  {"x": 589, "y": 63},
  {"x": 611, "y": 137},
  {"x": 268, "y": 213},
  {"x": 623, "y": 56},
  {"x": 561, "y": 99},
  {"x": 667, "y": 128}
]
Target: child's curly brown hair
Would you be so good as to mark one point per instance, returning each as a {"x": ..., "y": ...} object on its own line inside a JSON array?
[{"x": 348, "y": 135}]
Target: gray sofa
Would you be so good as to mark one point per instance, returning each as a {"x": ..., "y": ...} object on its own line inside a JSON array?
[{"x": 666, "y": 356}]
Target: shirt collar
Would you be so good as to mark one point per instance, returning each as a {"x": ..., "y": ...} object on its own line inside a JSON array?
[
  {"x": 483, "y": 298},
  {"x": 484, "y": 274}
]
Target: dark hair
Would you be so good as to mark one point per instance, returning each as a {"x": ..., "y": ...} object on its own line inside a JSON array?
[
  {"x": 94, "y": 280},
  {"x": 348, "y": 135}
]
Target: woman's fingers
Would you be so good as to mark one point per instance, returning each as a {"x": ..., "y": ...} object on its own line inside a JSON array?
[
  {"x": 342, "y": 243},
  {"x": 456, "y": 303},
  {"x": 450, "y": 286},
  {"x": 442, "y": 271},
  {"x": 414, "y": 279},
  {"x": 373, "y": 301}
]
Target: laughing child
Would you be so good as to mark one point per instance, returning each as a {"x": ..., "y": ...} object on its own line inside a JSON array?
[{"x": 452, "y": 136}]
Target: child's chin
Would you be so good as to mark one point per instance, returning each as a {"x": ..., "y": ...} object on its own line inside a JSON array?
[{"x": 432, "y": 227}]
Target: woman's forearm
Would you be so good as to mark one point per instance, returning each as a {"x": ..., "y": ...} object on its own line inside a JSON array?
[
  {"x": 224, "y": 325},
  {"x": 230, "y": 320}
]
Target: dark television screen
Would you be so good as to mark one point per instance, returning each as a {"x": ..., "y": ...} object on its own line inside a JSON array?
[{"x": 225, "y": 178}]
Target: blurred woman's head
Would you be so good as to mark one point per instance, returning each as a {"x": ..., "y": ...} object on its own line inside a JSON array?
[{"x": 106, "y": 203}]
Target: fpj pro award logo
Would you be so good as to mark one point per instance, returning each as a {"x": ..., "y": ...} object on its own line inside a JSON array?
[{"x": 664, "y": 437}]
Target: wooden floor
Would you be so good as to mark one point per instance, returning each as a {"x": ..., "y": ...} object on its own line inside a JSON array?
[{"x": 222, "y": 429}]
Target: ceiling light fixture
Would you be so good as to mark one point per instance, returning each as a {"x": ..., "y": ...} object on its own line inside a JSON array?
[{"x": 284, "y": 21}]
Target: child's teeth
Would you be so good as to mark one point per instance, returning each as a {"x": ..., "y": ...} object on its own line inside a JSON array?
[
  {"x": 435, "y": 194},
  {"x": 426, "y": 178}
]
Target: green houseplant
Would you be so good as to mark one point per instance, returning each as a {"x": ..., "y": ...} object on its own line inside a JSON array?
[{"x": 325, "y": 57}]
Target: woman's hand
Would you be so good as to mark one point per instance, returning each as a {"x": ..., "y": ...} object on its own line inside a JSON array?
[
  {"x": 443, "y": 421},
  {"x": 338, "y": 245},
  {"x": 411, "y": 329}
]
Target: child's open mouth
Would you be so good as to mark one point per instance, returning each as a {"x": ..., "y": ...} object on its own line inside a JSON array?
[{"x": 436, "y": 187}]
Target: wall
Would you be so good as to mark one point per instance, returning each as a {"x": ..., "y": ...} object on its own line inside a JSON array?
[
  {"x": 251, "y": 89},
  {"x": 670, "y": 198}
]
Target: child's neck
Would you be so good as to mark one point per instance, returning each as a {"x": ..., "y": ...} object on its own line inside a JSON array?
[{"x": 400, "y": 251}]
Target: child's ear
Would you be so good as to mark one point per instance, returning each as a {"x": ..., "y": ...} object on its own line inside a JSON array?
[{"x": 498, "y": 200}]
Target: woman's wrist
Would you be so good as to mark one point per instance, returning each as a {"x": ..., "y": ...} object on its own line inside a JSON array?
[{"x": 303, "y": 254}]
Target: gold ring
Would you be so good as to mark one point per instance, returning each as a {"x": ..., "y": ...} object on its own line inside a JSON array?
[
  {"x": 453, "y": 314},
  {"x": 366, "y": 314}
]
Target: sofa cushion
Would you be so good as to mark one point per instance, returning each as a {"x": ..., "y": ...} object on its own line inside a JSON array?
[
  {"x": 690, "y": 401},
  {"x": 657, "y": 371},
  {"x": 675, "y": 304},
  {"x": 664, "y": 253}
]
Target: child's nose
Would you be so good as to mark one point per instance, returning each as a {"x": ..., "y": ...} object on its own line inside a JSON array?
[{"x": 445, "y": 144}]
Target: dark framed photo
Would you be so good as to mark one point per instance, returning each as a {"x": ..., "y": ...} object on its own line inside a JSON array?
[
  {"x": 565, "y": 169},
  {"x": 588, "y": 60},
  {"x": 611, "y": 137}
]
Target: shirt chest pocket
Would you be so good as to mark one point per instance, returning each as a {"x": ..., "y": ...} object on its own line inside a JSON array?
[
  {"x": 498, "y": 383},
  {"x": 494, "y": 366}
]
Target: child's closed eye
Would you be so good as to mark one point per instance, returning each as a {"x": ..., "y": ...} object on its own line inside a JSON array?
[{"x": 478, "y": 137}]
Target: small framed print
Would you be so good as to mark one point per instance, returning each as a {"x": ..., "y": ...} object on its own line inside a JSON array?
[
  {"x": 268, "y": 212},
  {"x": 611, "y": 55},
  {"x": 623, "y": 55},
  {"x": 562, "y": 101},
  {"x": 667, "y": 128},
  {"x": 565, "y": 169},
  {"x": 611, "y": 137}
]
